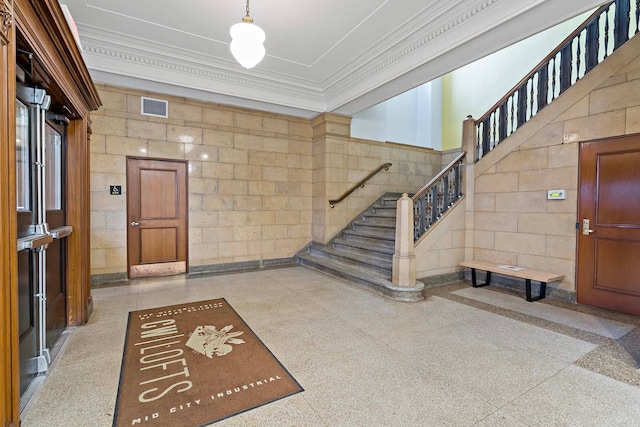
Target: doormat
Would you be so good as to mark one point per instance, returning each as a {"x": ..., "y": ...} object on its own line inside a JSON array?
[{"x": 193, "y": 364}]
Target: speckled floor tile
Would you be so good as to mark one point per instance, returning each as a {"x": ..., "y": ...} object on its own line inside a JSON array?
[
  {"x": 367, "y": 361},
  {"x": 536, "y": 339},
  {"x": 500, "y": 419},
  {"x": 481, "y": 362},
  {"x": 578, "y": 397},
  {"x": 605, "y": 327},
  {"x": 384, "y": 388}
]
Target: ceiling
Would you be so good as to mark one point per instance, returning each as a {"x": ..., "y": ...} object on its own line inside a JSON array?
[{"x": 322, "y": 55}]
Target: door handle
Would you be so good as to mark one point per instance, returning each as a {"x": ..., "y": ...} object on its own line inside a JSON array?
[
  {"x": 134, "y": 223},
  {"x": 585, "y": 228}
]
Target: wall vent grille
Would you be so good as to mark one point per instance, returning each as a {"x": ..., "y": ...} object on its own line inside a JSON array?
[{"x": 154, "y": 107}]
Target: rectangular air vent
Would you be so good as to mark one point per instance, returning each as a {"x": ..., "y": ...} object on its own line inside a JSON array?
[{"x": 155, "y": 107}]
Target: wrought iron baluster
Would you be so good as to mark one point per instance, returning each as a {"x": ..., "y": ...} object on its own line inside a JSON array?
[
  {"x": 445, "y": 194},
  {"x": 502, "y": 121},
  {"x": 592, "y": 44},
  {"x": 486, "y": 140},
  {"x": 578, "y": 59},
  {"x": 434, "y": 204},
  {"x": 522, "y": 105},
  {"x": 622, "y": 18},
  {"x": 553, "y": 78},
  {"x": 543, "y": 86},
  {"x": 531, "y": 98},
  {"x": 565, "y": 67},
  {"x": 423, "y": 213},
  {"x": 494, "y": 133},
  {"x": 606, "y": 32},
  {"x": 513, "y": 113}
]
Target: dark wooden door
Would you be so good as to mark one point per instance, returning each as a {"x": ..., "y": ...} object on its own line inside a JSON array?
[
  {"x": 56, "y": 254},
  {"x": 157, "y": 217},
  {"x": 608, "y": 272}
]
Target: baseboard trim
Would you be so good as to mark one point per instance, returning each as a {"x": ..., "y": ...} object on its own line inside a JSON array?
[
  {"x": 113, "y": 279},
  {"x": 239, "y": 267}
]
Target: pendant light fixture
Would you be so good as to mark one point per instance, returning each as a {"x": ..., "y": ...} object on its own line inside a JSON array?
[{"x": 247, "y": 42}]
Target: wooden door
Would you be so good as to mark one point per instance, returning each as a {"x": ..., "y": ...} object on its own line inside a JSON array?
[
  {"x": 157, "y": 217},
  {"x": 608, "y": 272}
]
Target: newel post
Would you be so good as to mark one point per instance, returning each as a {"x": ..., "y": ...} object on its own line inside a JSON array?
[
  {"x": 469, "y": 146},
  {"x": 404, "y": 260}
]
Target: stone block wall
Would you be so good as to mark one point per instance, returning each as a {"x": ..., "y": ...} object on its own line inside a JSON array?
[
  {"x": 513, "y": 222},
  {"x": 250, "y": 177},
  {"x": 341, "y": 161},
  {"x": 259, "y": 183}
]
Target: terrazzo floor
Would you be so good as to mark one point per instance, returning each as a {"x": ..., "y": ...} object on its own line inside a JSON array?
[{"x": 462, "y": 357}]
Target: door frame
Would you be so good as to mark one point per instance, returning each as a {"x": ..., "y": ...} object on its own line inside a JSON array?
[
  {"x": 186, "y": 207},
  {"x": 43, "y": 28}
]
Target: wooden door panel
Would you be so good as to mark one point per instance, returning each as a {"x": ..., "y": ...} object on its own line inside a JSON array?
[
  {"x": 617, "y": 266},
  {"x": 608, "y": 269},
  {"x": 157, "y": 216},
  {"x": 615, "y": 187},
  {"x": 158, "y": 245},
  {"x": 159, "y": 200}
]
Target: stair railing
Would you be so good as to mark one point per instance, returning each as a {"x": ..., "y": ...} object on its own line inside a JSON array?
[
  {"x": 579, "y": 53},
  {"x": 360, "y": 184},
  {"x": 437, "y": 197}
]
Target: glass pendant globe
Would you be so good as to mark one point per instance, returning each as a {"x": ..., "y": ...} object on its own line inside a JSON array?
[{"x": 247, "y": 44}]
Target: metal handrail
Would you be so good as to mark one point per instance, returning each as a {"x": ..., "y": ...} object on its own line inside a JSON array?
[
  {"x": 360, "y": 184},
  {"x": 437, "y": 178}
]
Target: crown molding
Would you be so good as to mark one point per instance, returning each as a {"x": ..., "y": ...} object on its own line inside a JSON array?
[
  {"x": 105, "y": 53},
  {"x": 439, "y": 38}
]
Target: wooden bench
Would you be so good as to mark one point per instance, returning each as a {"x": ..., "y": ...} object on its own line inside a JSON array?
[{"x": 512, "y": 271}]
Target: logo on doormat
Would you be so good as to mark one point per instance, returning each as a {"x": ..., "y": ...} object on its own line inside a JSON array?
[{"x": 208, "y": 340}]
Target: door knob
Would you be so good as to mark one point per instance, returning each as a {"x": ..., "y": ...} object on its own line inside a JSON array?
[
  {"x": 585, "y": 228},
  {"x": 134, "y": 223}
]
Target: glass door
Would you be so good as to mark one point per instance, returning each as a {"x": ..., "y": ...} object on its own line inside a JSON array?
[
  {"x": 33, "y": 234},
  {"x": 27, "y": 262}
]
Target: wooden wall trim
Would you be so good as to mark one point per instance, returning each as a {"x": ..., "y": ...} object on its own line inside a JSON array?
[
  {"x": 58, "y": 51},
  {"x": 9, "y": 373},
  {"x": 42, "y": 27},
  {"x": 78, "y": 213}
]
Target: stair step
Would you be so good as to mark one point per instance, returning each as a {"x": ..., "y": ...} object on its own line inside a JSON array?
[
  {"x": 363, "y": 277},
  {"x": 390, "y": 200},
  {"x": 381, "y": 247},
  {"x": 381, "y": 229},
  {"x": 383, "y": 208},
  {"x": 384, "y": 214},
  {"x": 379, "y": 220},
  {"x": 369, "y": 236},
  {"x": 376, "y": 265}
]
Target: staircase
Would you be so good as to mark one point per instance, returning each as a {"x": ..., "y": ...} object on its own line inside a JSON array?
[{"x": 363, "y": 252}]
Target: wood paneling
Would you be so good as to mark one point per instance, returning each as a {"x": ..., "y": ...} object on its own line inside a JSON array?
[
  {"x": 42, "y": 28},
  {"x": 9, "y": 376}
]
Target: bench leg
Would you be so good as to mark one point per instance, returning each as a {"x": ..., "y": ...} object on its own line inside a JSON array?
[
  {"x": 543, "y": 291},
  {"x": 474, "y": 282}
]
